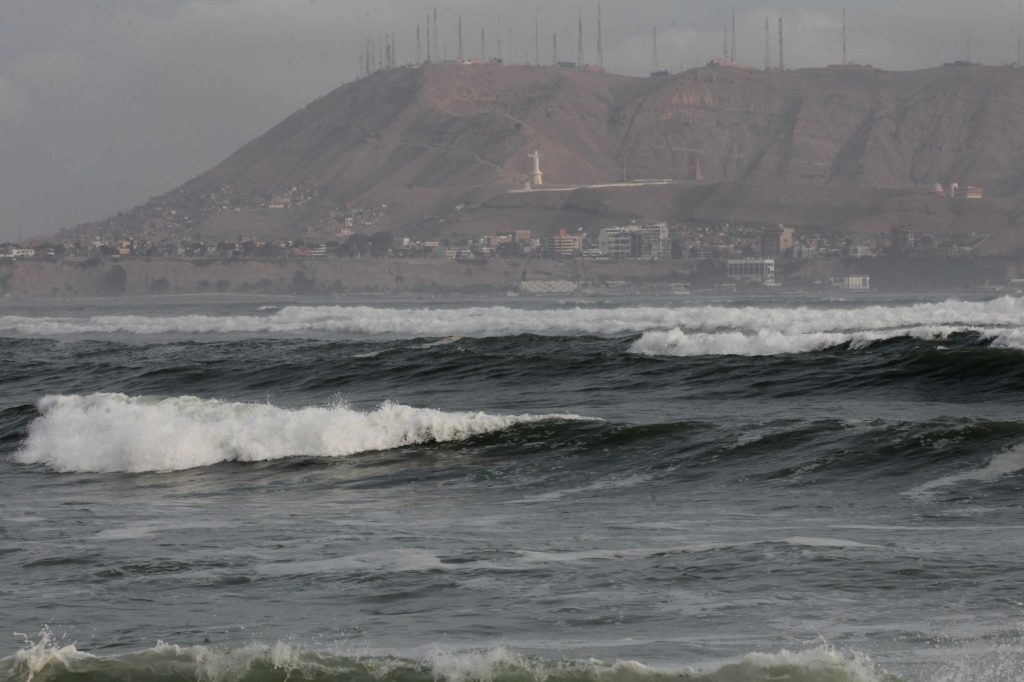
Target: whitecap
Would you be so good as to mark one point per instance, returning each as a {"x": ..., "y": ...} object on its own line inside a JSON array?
[
  {"x": 112, "y": 432},
  {"x": 1003, "y": 464},
  {"x": 1002, "y": 315}
]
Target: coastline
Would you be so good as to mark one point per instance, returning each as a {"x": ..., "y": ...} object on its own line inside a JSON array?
[{"x": 68, "y": 279}]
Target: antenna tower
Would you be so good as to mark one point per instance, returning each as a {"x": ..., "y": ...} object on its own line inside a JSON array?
[
  {"x": 782, "y": 49},
  {"x": 845, "y": 62},
  {"x": 483, "y": 46},
  {"x": 428, "y": 37},
  {"x": 1020, "y": 33},
  {"x": 733, "y": 53},
  {"x": 460, "y": 39},
  {"x": 655, "y": 37},
  {"x": 419, "y": 46},
  {"x": 437, "y": 41},
  {"x": 536, "y": 37},
  {"x": 500, "y": 56},
  {"x": 767, "y": 46},
  {"x": 600, "y": 39},
  {"x": 579, "y": 43},
  {"x": 554, "y": 48}
]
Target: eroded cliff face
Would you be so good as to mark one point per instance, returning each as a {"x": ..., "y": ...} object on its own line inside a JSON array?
[
  {"x": 422, "y": 140},
  {"x": 838, "y": 126}
]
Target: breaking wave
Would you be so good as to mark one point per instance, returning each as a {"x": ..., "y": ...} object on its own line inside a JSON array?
[
  {"x": 1007, "y": 313},
  {"x": 1010, "y": 461},
  {"x": 46, "y": 660},
  {"x": 679, "y": 343},
  {"x": 111, "y": 432}
]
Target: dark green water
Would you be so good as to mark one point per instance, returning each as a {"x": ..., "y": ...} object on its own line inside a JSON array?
[{"x": 546, "y": 491}]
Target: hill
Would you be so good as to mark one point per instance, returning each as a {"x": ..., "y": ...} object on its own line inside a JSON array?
[{"x": 843, "y": 147}]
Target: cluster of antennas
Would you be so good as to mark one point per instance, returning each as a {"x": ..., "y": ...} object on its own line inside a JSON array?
[{"x": 381, "y": 55}]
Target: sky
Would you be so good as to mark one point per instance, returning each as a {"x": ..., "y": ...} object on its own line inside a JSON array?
[{"x": 105, "y": 103}]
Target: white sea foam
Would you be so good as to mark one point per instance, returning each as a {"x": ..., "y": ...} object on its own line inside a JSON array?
[
  {"x": 1005, "y": 463},
  {"x": 676, "y": 342},
  {"x": 563, "y": 556},
  {"x": 384, "y": 561},
  {"x": 36, "y": 657},
  {"x": 108, "y": 432},
  {"x": 439, "y": 343},
  {"x": 601, "y": 486},
  {"x": 1004, "y": 315},
  {"x": 45, "y": 659},
  {"x": 829, "y": 543},
  {"x": 1007, "y": 338}
]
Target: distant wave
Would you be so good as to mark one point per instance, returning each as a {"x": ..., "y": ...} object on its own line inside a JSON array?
[
  {"x": 1010, "y": 461},
  {"x": 111, "y": 432},
  {"x": 1004, "y": 313},
  {"x": 679, "y": 343},
  {"x": 46, "y": 660}
]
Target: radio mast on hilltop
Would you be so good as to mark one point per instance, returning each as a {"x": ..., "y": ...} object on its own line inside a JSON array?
[
  {"x": 733, "y": 54},
  {"x": 1020, "y": 33},
  {"x": 782, "y": 50},
  {"x": 460, "y": 39},
  {"x": 600, "y": 39},
  {"x": 767, "y": 46},
  {"x": 579, "y": 45},
  {"x": 536, "y": 37},
  {"x": 437, "y": 41},
  {"x": 655, "y": 41},
  {"x": 845, "y": 62}
]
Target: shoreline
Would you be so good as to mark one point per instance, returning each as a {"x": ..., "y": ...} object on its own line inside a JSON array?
[{"x": 428, "y": 279}]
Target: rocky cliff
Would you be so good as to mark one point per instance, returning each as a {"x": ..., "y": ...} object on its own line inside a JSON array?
[{"x": 422, "y": 141}]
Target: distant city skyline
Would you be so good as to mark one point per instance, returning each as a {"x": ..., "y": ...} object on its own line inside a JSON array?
[{"x": 105, "y": 104}]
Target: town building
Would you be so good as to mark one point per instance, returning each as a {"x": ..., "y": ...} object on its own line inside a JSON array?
[
  {"x": 566, "y": 244},
  {"x": 851, "y": 283},
  {"x": 633, "y": 241},
  {"x": 958, "y": 191},
  {"x": 902, "y": 238},
  {"x": 777, "y": 242},
  {"x": 752, "y": 270},
  {"x": 18, "y": 252}
]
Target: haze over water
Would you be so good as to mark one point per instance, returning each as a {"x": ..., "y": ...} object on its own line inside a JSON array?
[{"x": 707, "y": 489}]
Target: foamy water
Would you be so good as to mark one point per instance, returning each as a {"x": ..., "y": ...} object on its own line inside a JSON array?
[
  {"x": 450, "y": 323},
  {"x": 705, "y": 492},
  {"x": 114, "y": 432}
]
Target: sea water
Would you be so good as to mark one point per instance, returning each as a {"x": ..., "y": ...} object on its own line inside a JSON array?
[{"x": 563, "y": 491}]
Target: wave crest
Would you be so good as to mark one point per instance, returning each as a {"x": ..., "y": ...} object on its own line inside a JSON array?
[
  {"x": 111, "y": 432},
  {"x": 1005, "y": 313},
  {"x": 679, "y": 343},
  {"x": 280, "y": 662}
]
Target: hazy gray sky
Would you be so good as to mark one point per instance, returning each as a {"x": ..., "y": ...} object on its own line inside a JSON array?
[{"x": 104, "y": 103}]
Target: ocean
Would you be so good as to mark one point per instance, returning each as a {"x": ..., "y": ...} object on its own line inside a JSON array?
[{"x": 687, "y": 488}]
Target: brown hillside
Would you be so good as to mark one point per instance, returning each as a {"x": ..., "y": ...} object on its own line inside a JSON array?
[{"x": 851, "y": 146}]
